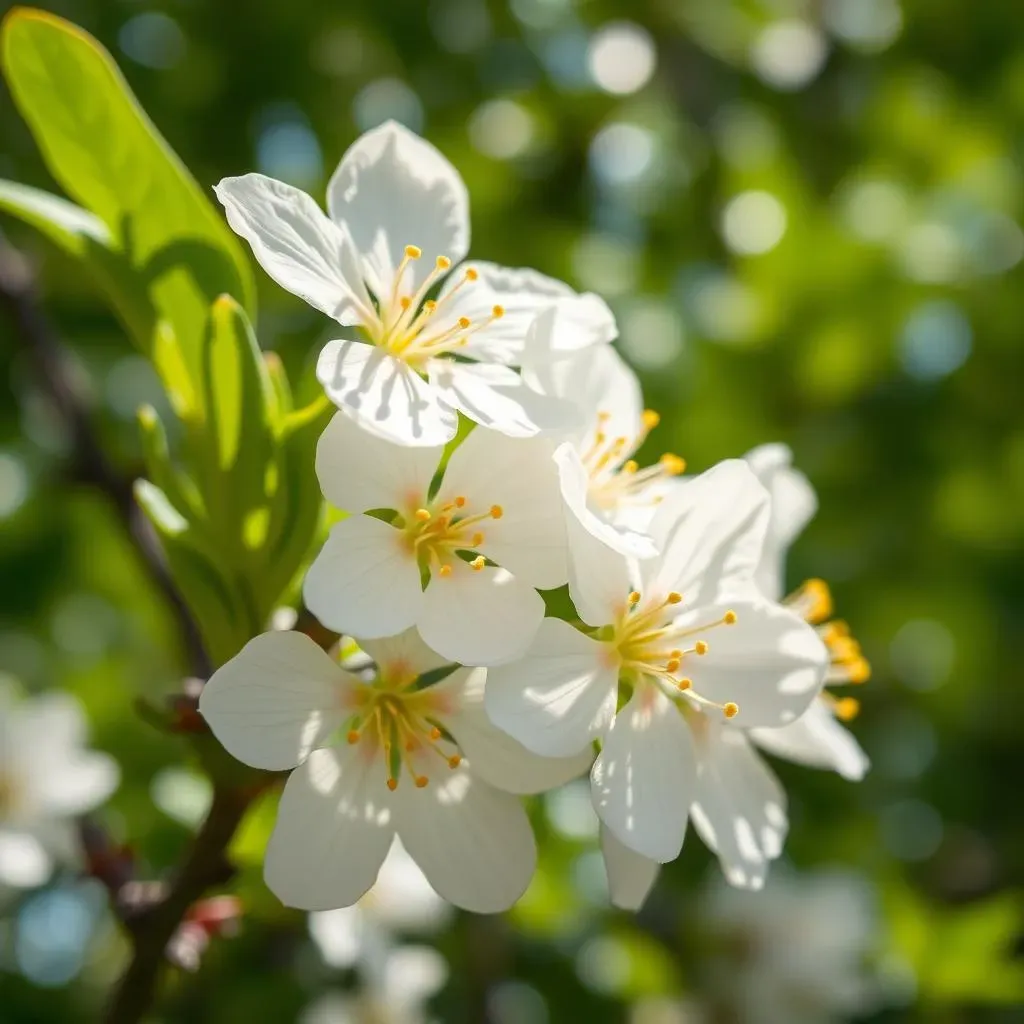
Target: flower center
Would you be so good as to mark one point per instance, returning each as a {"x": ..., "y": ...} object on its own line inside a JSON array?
[
  {"x": 812, "y": 601},
  {"x": 392, "y": 717},
  {"x": 415, "y": 328},
  {"x": 436, "y": 534},
  {"x": 649, "y": 645},
  {"x": 616, "y": 479}
]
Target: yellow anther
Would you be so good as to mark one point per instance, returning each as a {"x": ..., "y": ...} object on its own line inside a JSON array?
[
  {"x": 603, "y": 416},
  {"x": 700, "y": 647},
  {"x": 477, "y": 539},
  {"x": 460, "y": 502},
  {"x": 430, "y": 305},
  {"x": 675, "y": 654},
  {"x": 478, "y": 563},
  {"x": 684, "y": 684},
  {"x": 435, "y": 733},
  {"x": 405, "y": 302},
  {"x": 472, "y": 274},
  {"x": 729, "y": 618},
  {"x": 422, "y": 514},
  {"x": 672, "y": 665},
  {"x": 600, "y": 437},
  {"x": 844, "y": 648},
  {"x": 464, "y": 322},
  {"x": 421, "y": 781},
  {"x": 813, "y": 601},
  {"x": 392, "y": 784},
  {"x": 672, "y": 464},
  {"x": 634, "y": 598},
  {"x": 410, "y": 746},
  {"x": 730, "y": 710},
  {"x": 454, "y": 761},
  {"x": 497, "y": 511},
  {"x": 443, "y": 263},
  {"x": 859, "y": 671},
  {"x": 674, "y": 597},
  {"x": 650, "y": 419},
  {"x": 353, "y": 736},
  {"x": 630, "y": 467},
  {"x": 498, "y": 312},
  {"x": 414, "y": 252},
  {"x": 847, "y": 709},
  {"x": 445, "y": 570}
]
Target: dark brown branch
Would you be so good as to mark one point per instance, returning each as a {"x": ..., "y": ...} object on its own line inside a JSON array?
[{"x": 35, "y": 336}]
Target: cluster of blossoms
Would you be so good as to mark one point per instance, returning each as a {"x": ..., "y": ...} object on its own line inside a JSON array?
[{"x": 679, "y": 659}]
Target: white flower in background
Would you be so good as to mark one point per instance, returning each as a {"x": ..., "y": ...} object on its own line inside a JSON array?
[
  {"x": 691, "y": 652},
  {"x": 47, "y": 777},
  {"x": 796, "y": 953},
  {"x": 379, "y": 759},
  {"x": 398, "y": 223},
  {"x": 498, "y": 503},
  {"x": 603, "y": 485},
  {"x": 816, "y": 738}
]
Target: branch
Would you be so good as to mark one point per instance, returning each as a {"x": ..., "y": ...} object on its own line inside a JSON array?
[{"x": 35, "y": 336}]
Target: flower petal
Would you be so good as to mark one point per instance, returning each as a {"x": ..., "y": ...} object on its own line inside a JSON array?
[
  {"x": 384, "y": 395},
  {"x": 521, "y": 293},
  {"x": 646, "y": 774},
  {"x": 517, "y": 475},
  {"x": 364, "y": 581},
  {"x": 473, "y": 842},
  {"x": 334, "y": 828},
  {"x": 711, "y": 532},
  {"x": 493, "y": 755},
  {"x": 630, "y": 876},
  {"x": 557, "y": 698},
  {"x": 818, "y": 740},
  {"x": 479, "y": 616},
  {"x": 496, "y": 397},
  {"x": 793, "y": 504},
  {"x": 568, "y": 327},
  {"x": 275, "y": 701},
  {"x": 297, "y": 245},
  {"x": 740, "y": 808},
  {"x": 359, "y": 471},
  {"x": 404, "y": 653},
  {"x": 393, "y": 189},
  {"x": 770, "y": 662}
]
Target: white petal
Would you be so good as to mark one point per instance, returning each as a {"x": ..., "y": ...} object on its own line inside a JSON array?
[
  {"x": 406, "y": 652},
  {"x": 24, "y": 863},
  {"x": 296, "y": 244},
  {"x": 572, "y": 325},
  {"x": 557, "y": 698},
  {"x": 522, "y": 294},
  {"x": 740, "y": 808},
  {"x": 359, "y": 471},
  {"x": 364, "y": 581},
  {"x": 275, "y": 701},
  {"x": 393, "y": 189},
  {"x": 645, "y": 776},
  {"x": 473, "y": 842},
  {"x": 711, "y": 532},
  {"x": 384, "y": 395},
  {"x": 529, "y": 538},
  {"x": 479, "y": 617},
  {"x": 497, "y": 397},
  {"x": 793, "y": 504},
  {"x": 334, "y": 827},
  {"x": 770, "y": 662},
  {"x": 630, "y": 876},
  {"x": 818, "y": 740},
  {"x": 493, "y": 755}
]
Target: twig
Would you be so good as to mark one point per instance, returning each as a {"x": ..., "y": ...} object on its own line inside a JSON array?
[{"x": 36, "y": 337}]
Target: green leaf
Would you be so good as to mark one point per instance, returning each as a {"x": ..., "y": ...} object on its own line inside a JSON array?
[{"x": 107, "y": 155}]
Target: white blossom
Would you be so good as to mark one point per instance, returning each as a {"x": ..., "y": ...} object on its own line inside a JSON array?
[
  {"x": 47, "y": 777},
  {"x": 682, "y": 651},
  {"x": 497, "y": 503},
  {"x": 378, "y": 759},
  {"x": 383, "y": 260}
]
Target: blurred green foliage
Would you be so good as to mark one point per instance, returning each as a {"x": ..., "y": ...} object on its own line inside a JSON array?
[{"x": 807, "y": 221}]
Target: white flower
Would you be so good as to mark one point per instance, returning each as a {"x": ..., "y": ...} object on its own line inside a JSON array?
[
  {"x": 380, "y": 759},
  {"x": 693, "y": 651},
  {"x": 795, "y": 953},
  {"x": 602, "y": 483},
  {"x": 498, "y": 503},
  {"x": 398, "y": 222},
  {"x": 816, "y": 738},
  {"x": 47, "y": 777}
]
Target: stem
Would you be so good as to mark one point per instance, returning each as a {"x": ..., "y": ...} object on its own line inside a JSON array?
[
  {"x": 204, "y": 867},
  {"x": 34, "y": 334}
]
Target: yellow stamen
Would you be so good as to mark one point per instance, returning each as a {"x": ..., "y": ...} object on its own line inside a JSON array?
[
  {"x": 445, "y": 570},
  {"x": 421, "y": 781},
  {"x": 672, "y": 464},
  {"x": 497, "y": 511},
  {"x": 414, "y": 252},
  {"x": 454, "y": 761},
  {"x": 674, "y": 597},
  {"x": 392, "y": 784},
  {"x": 634, "y": 598},
  {"x": 630, "y": 467},
  {"x": 353, "y": 736},
  {"x": 730, "y": 710},
  {"x": 472, "y": 274},
  {"x": 478, "y": 563},
  {"x": 650, "y": 419},
  {"x": 700, "y": 647},
  {"x": 498, "y": 312},
  {"x": 847, "y": 708},
  {"x": 729, "y": 619},
  {"x": 685, "y": 684},
  {"x": 422, "y": 514}
]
